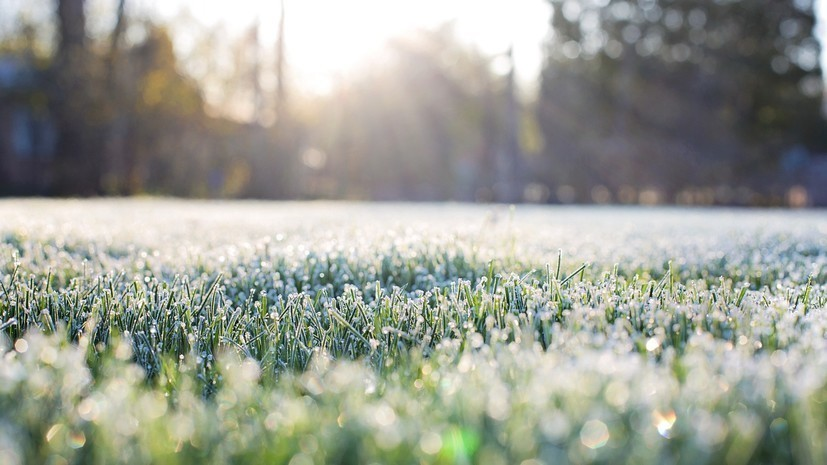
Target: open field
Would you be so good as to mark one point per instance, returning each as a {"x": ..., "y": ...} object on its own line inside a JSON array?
[{"x": 164, "y": 332}]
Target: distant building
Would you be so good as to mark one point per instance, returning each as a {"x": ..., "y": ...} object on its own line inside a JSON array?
[{"x": 27, "y": 134}]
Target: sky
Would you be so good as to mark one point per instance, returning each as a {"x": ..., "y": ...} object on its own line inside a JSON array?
[{"x": 327, "y": 39}]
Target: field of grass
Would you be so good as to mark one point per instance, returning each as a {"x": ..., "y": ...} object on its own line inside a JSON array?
[{"x": 166, "y": 332}]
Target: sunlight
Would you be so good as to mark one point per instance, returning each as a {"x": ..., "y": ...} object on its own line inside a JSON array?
[{"x": 327, "y": 40}]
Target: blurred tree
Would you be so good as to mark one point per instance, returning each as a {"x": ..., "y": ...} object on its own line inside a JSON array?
[
  {"x": 281, "y": 72},
  {"x": 127, "y": 120},
  {"x": 73, "y": 102},
  {"x": 164, "y": 151},
  {"x": 675, "y": 94},
  {"x": 275, "y": 170},
  {"x": 119, "y": 94},
  {"x": 424, "y": 122}
]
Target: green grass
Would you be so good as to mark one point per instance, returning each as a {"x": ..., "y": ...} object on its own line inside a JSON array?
[{"x": 185, "y": 332}]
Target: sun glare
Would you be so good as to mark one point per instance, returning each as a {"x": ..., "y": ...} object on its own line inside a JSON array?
[{"x": 326, "y": 40}]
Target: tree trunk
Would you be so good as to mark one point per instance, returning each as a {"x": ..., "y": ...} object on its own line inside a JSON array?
[
  {"x": 114, "y": 179},
  {"x": 75, "y": 167}
]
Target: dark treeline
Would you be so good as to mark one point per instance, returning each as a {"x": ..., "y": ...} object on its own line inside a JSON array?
[
  {"x": 692, "y": 100},
  {"x": 639, "y": 101}
]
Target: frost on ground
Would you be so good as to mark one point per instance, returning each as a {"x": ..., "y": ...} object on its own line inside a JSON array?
[{"x": 150, "y": 331}]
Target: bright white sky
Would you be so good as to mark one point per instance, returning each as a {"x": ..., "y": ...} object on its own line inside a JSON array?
[{"x": 328, "y": 38}]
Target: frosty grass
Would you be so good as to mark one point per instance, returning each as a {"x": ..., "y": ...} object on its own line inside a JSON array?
[{"x": 163, "y": 332}]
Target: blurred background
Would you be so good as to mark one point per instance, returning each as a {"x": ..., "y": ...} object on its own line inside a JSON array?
[{"x": 701, "y": 102}]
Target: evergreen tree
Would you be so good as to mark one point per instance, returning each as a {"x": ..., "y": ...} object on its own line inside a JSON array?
[{"x": 673, "y": 94}]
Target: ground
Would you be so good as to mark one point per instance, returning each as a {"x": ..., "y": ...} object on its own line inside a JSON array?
[{"x": 161, "y": 331}]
